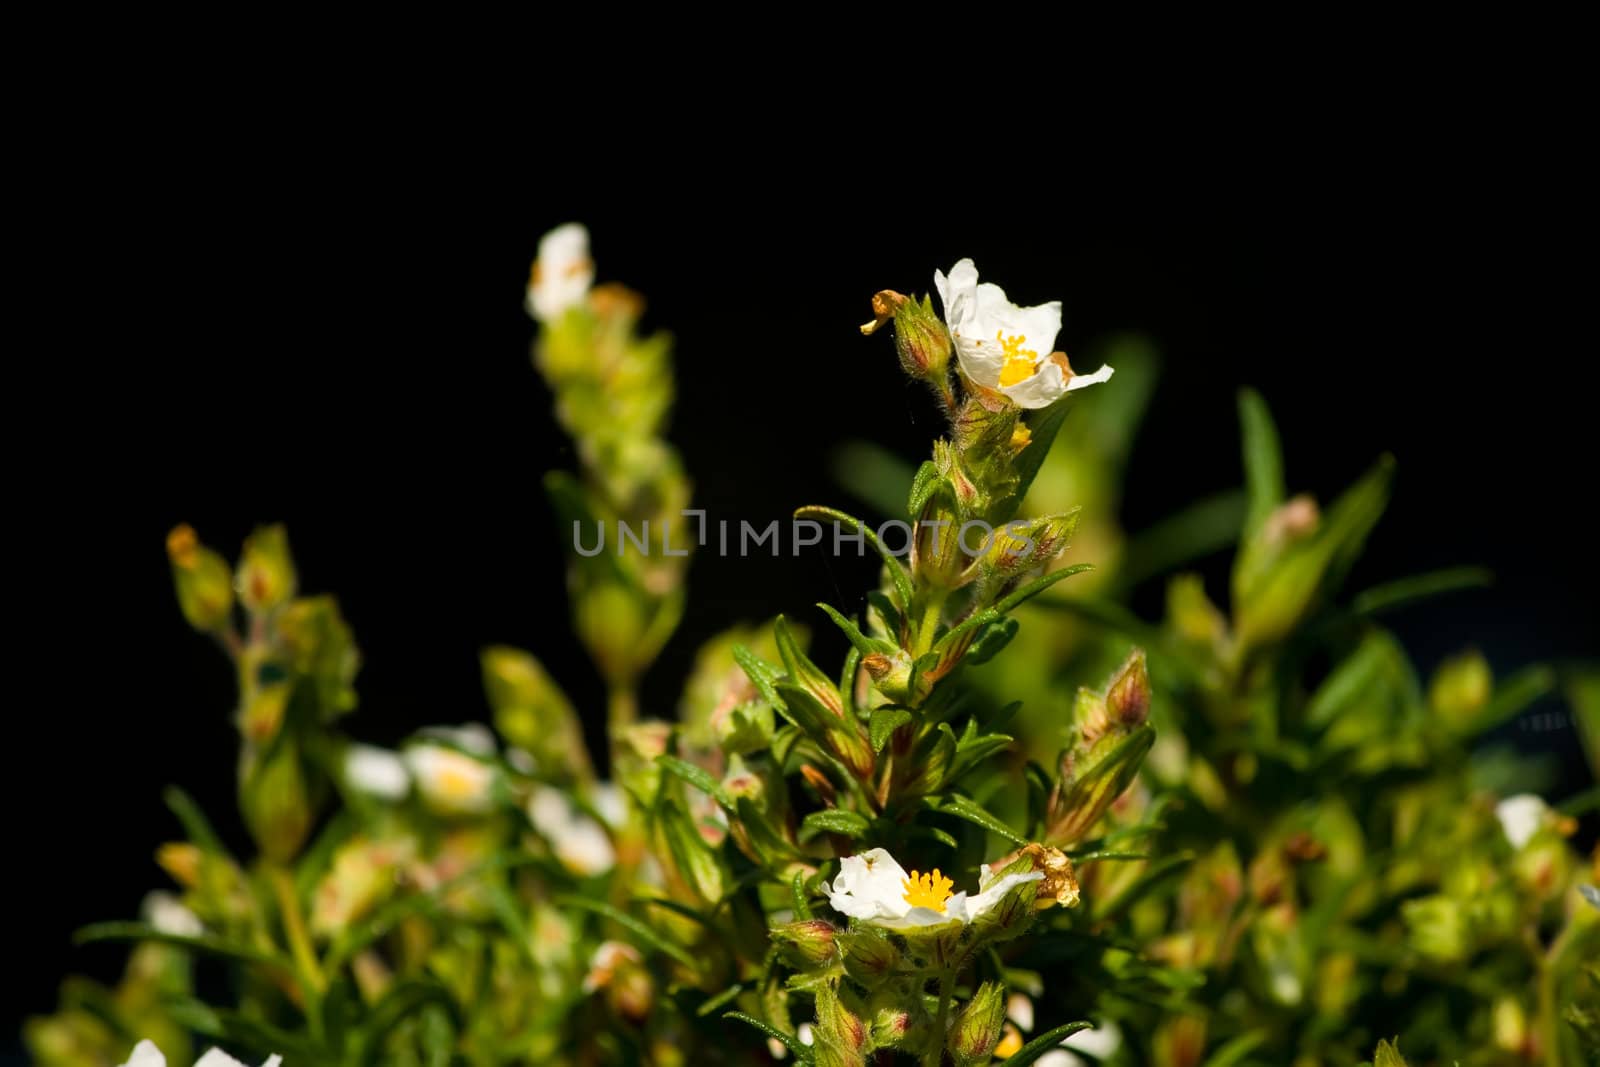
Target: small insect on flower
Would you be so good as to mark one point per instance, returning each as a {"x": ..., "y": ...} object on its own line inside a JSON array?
[
  {"x": 874, "y": 888},
  {"x": 1005, "y": 347}
]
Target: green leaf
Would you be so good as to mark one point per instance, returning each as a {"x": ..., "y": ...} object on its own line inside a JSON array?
[
  {"x": 833, "y": 821},
  {"x": 1159, "y": 873},
  {"x": 763, "y": 675},
  {"x": 923, "y": 485},
  {"x": 1088, "y": 796},
  {"x": 987, "y": 645},
  {"x": 966, "y": 808},
  {"x": 637, "y": 927},
  {"x": 1263, "y": 460},
  {"x": 239, "y": 1030},
  {"x": 859, "y": 641},
  {"x": 1234, "y": 1052},
  {"x": 402, "y": 1002},
  {"x": 1039, "y": 585},
  {"x": 872, "y": 474},
  {"x": 1043, "y": 426},
  {"x": 1209, "y": 525},
  {"x": 724, "y": 997},
  {"x": 898, "y": 576},
  {"x": 1391, "y": 595},
  {"x": 883, "y": 724},
  {"x": 1513, "y": 695},
  {"x": 1045, "y": 1042},
  {"x": 207, "y": 943},
  {"x": 195, "y": 824},
  {"x": 698, "y": 777},
  {"x": 802, "y": 1053},
  {"x": 802, "y": 906}
]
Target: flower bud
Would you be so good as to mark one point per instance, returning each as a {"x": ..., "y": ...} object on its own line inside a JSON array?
[
  {"x": 922, "y": 340},
  {"x": 266, "y": 570},
  {"x": 1128, "y": 695},
  {"x": 1180, "y": 1041},
  {"x": 890, "y": 673},
  {"x": 1461, "y": 689},
  {"x": 611, "y": 623},
  {"x": 203, "y": 580},
  {"x": 840, "y": 1037},
  {"x": 890, "y": 1026},
  {"x": 181, "y": 861},
  {"x": 977, "y": 1029},
  {"x": 532, "y": 713},
  {"x": 1387, "y": 1056},
  {"x": 808, "y": 943},
  {"x": 869, "y": 955},
  {"x": 274, "y": 800}
]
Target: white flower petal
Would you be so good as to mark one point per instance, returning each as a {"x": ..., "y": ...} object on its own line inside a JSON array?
[
  {"x": 611, "y": 802},
  {"x": 376, "y": 772},
  {"x": 870, "y": 885},
  {"x": 217, "y": 1058},
  {"x": 1041, "y": 390},
  {"x": 805, "y": 1034},
  {"x": 1520, "y": 817},
  {"x": 1080, "y": 381},
  {"x": 580, "y": 843},
  {"x": 473, "y": 737},
  {"x": 450, "y": 781},
  {"x": 995, "y": 893},
  {"x": 145, "y": 1054},
  {"x": 562, "y": 273},
  {"x": 1019, "y": 1009},
  {"x": 166, "y": 913}
]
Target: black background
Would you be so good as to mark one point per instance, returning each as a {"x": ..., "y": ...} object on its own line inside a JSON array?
[{"x": 321, "y": 323}]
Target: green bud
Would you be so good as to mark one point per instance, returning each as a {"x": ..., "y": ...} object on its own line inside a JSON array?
[
  {"x": 921, "y": 339},
  {"x": 266, "y": 570},
  {"x": 611, "y": 622},
  {"x": 804, "y": 674},
  {"x": 1025, "y": 544},
  {"x": 1461, "y": 689},
  {"x": 937, "y": 559},
  {"x": 202, "y": 578},
  {"x": 840, "y": 1036},
  {"x": 892, "y": 1024},
  {"x": 1437, "y": 927},
  {"x": 808, "y": 943},
  {"x": 1128, "y": 695},
  {"x": 977, "y": 1028},
  {"x": 869, "y": 955},
  {"x": 532, "y": 713},
  {"x": 1180, "y": 1041},
  {"x": 891, "y": 673},
  {"x": 275, "y": 802},
  {"x": 1078, "y": 804},
  {"x": 1388, "y": 1055}
]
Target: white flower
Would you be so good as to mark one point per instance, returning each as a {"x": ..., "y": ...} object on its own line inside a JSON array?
[
  {"x": 1019, "y": 1009},
  {"x": 377, "y": 772},
  {"x": 580, "y": 843},
  {"x": 1520, "y": 817},
  {"x": 145, "y": 1054},
  {"x": 874, "y": 888},
  {"x": 473, "y": 737},
  {"x": 166, "y": 913},
  {"x": 452, "y": 782},
  {"x": 562, "y": 274},
  {"x": 1006, "y": 347},
  {"x": 611, "y": 802}
]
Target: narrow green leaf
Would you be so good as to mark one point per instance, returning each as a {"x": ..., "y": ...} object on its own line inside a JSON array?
[
  {"x": 1233, "y": 1052},
  {"x": 207, "y": 943},
  {"x": 802, "y": 906},
  {"x": 1043, "y": 425},
  {"x": 833, "y": 821},
  {"x": 195, "y": 824},
  {"x": 722, "y": 998},
  {"x": 1046, "y": 1041},
  {"x": 883, "y": 724},
  {"x": 859, "y": 641},
  {"x": 1263, "y": 460},
  {"x": 966, "y": 808},
  {"x": 698, "y": 777},
  {"x": 1513, "y": 695},
  {"x": 1391, "y": 595},
  {"x": 763, "y": 675},
  {"x": 638, "y": 928},
  {"x": 1039, "y": 585},
  {"x": 898, "y": 575},
  {"x": 1209, "y": 525},
  {"x": 802, "y": 1053}
]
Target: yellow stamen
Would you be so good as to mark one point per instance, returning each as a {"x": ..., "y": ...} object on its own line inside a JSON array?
[
  {"x": 1020, "y": 438},
  {"x": 457, "y": 782},
  {"x": 1010, "y": 1044},
  {"x": 1020, "y": 362},
  {"x": 927, "y": 890}
]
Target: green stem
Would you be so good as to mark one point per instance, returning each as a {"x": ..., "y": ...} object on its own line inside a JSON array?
[
  {"x": 622, "y": 708},
  {"x": 294, "y": 928},
  {"x": 935, "y": 1054},
  {"x": 928, "y": 623}
]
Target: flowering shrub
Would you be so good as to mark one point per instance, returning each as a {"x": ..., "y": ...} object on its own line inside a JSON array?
[{"x": 1220, "y": 850}]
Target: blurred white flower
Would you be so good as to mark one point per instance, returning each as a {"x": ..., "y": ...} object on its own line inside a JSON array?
[
  {"x": 377, "y": 772},
  {"x": 579, "y": 842},
  {"x": 473, "y": 737},
  {"x": 1101, "y": 1042},
  {"x": 452, "y": 782},
  {"x": 1005, "y": 347},
  {"x": 1520, "y": 817},
  {"x": 562, "y": 274},
  {"x": 166, "y": 913},
  {"x": 145, "y": 1054},
  {"x": 1019, "y": 1009},
  {"x": 876, "y": 889}
]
